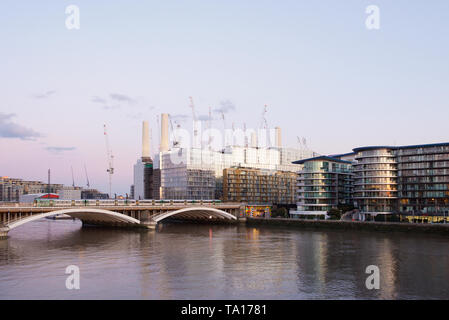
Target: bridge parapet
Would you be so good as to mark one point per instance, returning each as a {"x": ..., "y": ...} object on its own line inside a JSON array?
[
  {"x": 4, "y": 232},
  {"x": 110, "y": 203}
]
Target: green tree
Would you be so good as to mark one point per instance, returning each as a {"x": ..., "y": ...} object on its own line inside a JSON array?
[{"x": 335, "y": 214}]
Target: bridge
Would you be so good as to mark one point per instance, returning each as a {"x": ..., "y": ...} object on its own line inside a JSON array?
[{"x": 120, "y": 213}]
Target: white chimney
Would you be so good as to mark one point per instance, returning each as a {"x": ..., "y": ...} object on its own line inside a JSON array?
[
  {"x": 145, "y": 140},
  {"x": 253, "y": 139},
  {"x": 164, "y": 132},
  {"x": 278, "y": 137}
]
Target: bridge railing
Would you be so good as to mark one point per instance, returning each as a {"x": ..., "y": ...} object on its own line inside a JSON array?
[{"x": 112, "y": 202}]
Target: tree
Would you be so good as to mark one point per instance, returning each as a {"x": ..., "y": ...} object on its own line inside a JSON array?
[{"x": 334, "y": 214}]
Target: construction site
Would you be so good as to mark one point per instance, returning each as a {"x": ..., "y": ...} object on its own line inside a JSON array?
[{"x": 194, "y": 171}]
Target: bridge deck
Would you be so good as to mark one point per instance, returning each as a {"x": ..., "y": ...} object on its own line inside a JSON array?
[{"x": 165, "y": 207}]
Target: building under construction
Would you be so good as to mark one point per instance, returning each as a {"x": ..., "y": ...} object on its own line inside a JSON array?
[{"x": 196, "y": 173}]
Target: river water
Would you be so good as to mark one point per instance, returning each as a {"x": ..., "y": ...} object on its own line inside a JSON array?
[{"x": 188, "y": 261}]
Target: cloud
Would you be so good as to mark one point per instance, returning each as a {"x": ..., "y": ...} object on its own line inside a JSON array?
[
  {"x": 115, "y": 101},
  {"x": 122, "y": 98},
  {"x": 10, "y": 129},
  {"x": 96, "y": 99},
  {"x": 58, "y": 150},
  {"x": 225, "y": 107},
  {"x": 44, "y": 95}
]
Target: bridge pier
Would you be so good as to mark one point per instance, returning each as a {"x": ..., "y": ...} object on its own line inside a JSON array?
[
  {"x": 150, "y": 224},
  {"x": 4, "y": 232}
]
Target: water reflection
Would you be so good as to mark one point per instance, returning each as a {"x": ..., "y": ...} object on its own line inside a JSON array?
[{"x": 179, "y": 261}]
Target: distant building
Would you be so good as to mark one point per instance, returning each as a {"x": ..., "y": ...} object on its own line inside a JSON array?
[
  {"x": 259, "y": 186},
  {"x": 139, "y": 191},
  {"x": 93, "y": 194},
  {"x": 131, "y": 192},
  {"x": 30, "y": 198},
  {"x": 70, "y": 193},
  {"x": 11, "y": 189}
]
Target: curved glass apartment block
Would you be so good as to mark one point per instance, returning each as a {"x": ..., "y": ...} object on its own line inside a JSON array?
[
  {"x": 375, "y": 180},
  {"x": 323, "y": 183}
]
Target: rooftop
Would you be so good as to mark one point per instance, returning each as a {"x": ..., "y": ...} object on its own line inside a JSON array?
[
  {"x": 325, "y": 158},
  {"x": 401, "y": 147}
]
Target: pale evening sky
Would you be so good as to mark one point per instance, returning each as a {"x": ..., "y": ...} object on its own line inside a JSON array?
[{"x": 323, "y": 74}]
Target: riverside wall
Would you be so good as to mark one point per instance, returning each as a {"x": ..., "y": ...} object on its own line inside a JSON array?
[{"x": 352, "y": 225}]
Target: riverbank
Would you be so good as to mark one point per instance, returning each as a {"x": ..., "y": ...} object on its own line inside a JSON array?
[{"x": 352, "y": 226}]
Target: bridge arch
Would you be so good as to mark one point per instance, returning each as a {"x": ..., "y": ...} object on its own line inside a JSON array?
[
  {"x": 82, "y": 214},
  {"x": 196, "y": 212}
]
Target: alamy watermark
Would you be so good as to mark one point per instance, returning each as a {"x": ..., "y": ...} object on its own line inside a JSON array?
[
  {"x": 372, "y": 22},
  {"x": 72, "y": 21},
  {"x": 73, "y": 280},
  {"x": 373, "y": 280}
]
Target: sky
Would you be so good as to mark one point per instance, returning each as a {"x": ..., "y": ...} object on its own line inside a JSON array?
[{"x": 322, "y": 73}]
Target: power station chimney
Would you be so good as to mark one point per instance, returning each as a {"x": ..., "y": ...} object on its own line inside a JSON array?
[
  {"x": 278, "y": 137},
  {"x": 164, "y": 132},
  {"x": 253, "y": 139},
  {"x": 145, "y": 140}
]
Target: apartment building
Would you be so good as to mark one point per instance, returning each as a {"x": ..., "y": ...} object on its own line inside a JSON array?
[
  {"x": 323, "y": 184},
  {"x": 259, "y": 186},
  {"x": 410, "y": 180}
]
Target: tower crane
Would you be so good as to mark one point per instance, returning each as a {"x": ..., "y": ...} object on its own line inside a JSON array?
[
  {"x": 175, "y": 139},
  {"x": 224, "y": 129},
  {"x": 87, "y": 177},
  {"x": 209, "y": 126},
  {"x": 73, "y": 179},
  {"x": 110, "y": 158},
  {"x": 195, "y": 128},
  {"x": 264, "y": 125},
  {"x": 245, "y": 141}
]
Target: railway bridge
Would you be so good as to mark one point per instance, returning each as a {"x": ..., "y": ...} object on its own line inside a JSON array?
[{"x": 120, "y": 213}]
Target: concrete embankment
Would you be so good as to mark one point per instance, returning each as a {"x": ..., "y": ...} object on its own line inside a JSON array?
[{"x": 352, "y": 226}]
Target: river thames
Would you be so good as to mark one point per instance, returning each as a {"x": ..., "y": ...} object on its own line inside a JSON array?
[{"x": 188, "y": 261}]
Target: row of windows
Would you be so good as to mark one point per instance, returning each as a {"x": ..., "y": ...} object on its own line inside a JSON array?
[
  {"x": 425, "y": 194},
  {"x": 432, "y": 187},
  {"x": 424, "y": 165},
  {"x": 422, "y": 150},
  {"x": 429, "y": 157},
  {"x": 432, "y": 179},
  {"x": 424, "y": 172}
]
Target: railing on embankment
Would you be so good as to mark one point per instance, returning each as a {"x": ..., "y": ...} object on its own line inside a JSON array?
[{"x": 352, "y": 225}]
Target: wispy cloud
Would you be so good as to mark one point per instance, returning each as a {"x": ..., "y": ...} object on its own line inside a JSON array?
[
  {"x": 122, "y": 98},
  {"x": 44, "y": 95},
  {"x": 116, "y": 101},
  {"x": 96, "y": 99},
  {"x": 225, "y": 107},
  {"x": 9, "y": 129},
  {"x": 58, "y": 150}
]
